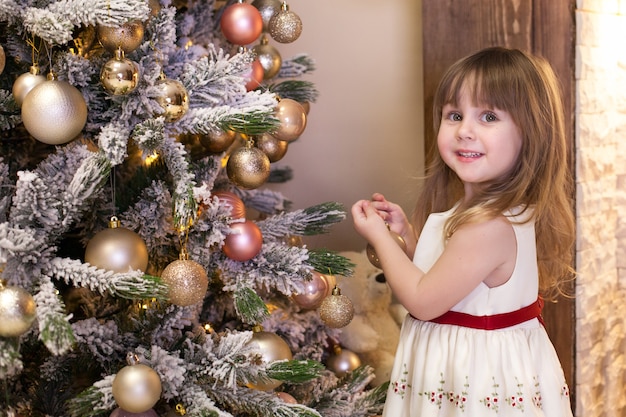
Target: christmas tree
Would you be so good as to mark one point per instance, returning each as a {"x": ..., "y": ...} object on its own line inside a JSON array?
[{"x": 145, "y": 269}]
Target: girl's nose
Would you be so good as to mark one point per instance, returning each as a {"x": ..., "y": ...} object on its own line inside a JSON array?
[{"x": 465, "y": 130}]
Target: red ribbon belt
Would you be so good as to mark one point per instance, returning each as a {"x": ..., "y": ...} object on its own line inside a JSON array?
[{"x": 496, "y": 321}]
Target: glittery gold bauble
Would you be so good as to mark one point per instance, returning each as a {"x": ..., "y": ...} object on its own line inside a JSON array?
[
  {"x": 342, "y": 361},
  {"x": 336, "y": 310},
  {"x": 248, "y": 167},
  {"x": 314, "y": 292},
  {"x": 136, "y": 388},
  {"x": 244, "y": 241},
  {"x": 237, "y": 207},
  {"x": 17, "y": 310},
  {"x": 119, "y": 75},
  {"x": 269, "y": 57},
  {"x": 117, "y": 249},
  {"x": 128, "y": 36},
  {"x": 267, "y": 8},
  {"x": 285, "y": 26},
  {"x": 173, "y": 99},
  {"x": 187, "y": 281},
  {"x": 26, "y": 82},
  {"x": 371, "y": 253},
  {"x": 274, "y": 149},
  {"x": 292, "y": 118},
  {"x": 272, "y": 348},
  {"x": 54, "y": 112},
  {"x": 218, "y": 140},
  {"x": 120, "y": 412}
]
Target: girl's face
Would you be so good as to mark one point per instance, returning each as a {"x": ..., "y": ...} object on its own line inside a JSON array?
[{"x": 478, "y": 143}]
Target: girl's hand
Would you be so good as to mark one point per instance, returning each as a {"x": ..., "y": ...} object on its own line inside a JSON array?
[
  {"x": 367, "y": 221},
  {"x": 397, "y": 221}
]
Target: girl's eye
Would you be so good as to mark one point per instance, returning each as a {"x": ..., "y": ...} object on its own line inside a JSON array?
[
  {"x": 454, "y": 116},
  {"x": 489, "y": 117}
]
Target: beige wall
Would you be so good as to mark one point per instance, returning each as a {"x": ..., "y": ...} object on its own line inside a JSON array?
[{"x": 364, "y": 134}]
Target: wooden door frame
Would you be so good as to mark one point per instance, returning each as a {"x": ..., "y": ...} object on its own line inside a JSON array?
[{"x": 454, "y": 28}]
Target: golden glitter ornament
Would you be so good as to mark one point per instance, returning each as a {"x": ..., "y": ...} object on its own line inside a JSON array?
[
  {"x": 128, "y": 36},
  {"x": 285, "y": 26},
  {"x": 187, "y": 281},
  {"x": 269, "y": 57},
  {"x": 26, "y": 82},
  {"x": 173, "y": 99},
  {"x": 336, "y": 310},
  {"x": 248, "y": 167},
  {"x": 17, "y": 310},
  {"x": 119, "y": 75},
  {"x": 274, "y": 149},
  {"x": 136, "y": 388},
  {"x": 272, "y": 348}
]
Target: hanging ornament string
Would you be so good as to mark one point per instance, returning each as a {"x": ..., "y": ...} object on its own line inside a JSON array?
[{"x": 113, "y": 190}]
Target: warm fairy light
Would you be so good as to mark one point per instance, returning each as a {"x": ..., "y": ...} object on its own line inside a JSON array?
[
  {"x": 208, "y": 328},
  {"x": 151, "y": 159}
]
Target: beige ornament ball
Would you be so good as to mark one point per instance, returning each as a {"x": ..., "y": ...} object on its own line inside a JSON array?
[
  {"x": 187, "y": 282},
  {"x": 336, "y": 310},
  {"x": 136, "y": 388},
  {"x": 128, "y": 36},
  {"x": 272, "y": 348},
  {"x": 17, "y": 310},
  {"x": 54, "y": 112},
  {"x": 274, "y": 149},
  {"x": 342, "y": 361},
  {"x": 26, "y": 82},
  {"x": 248, "y": 167},
  {"x": 117, "y": 249},
  {"x": 173, "y": 99},
  {"x": 292, "y": 118},
  {"x": 119, "y": 75}
]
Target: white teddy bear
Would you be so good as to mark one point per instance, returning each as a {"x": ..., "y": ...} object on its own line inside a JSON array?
[{"x": 374, "y": 331}]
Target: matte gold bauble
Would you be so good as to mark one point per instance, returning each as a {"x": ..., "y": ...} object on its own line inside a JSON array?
[
  {"x": 119, "y": 75},
  {"x": 187, "y": 282},
  {"x": 26, "y": 82},
  {"x": 119, "y": 412},
  {"x": 128, "y": 36},
  {"x": 117, "y": 249},
  {"x": 243, "y": 242},
  {"x": 241, "y": 23},
  {"x": 54, "y": 112},
  {"x": 218, "y": 140},
  {"x": 272, "y": 348},
  {"x": 336, "y": 310},
  {"x": 136, "y": 388},
  {"x": 17, "y": 310},
  {"x": 371, "y": 253},
  {"x": 173, "y": 99},
  {"x": 285, "y": 26},
  {"x": 286, "y": 398},
  {"x": 267, "y": 9},
  {"x": 342, "y": 361},
  {"x": 274, "y": 149},
  {"x": 3, "y": 59},
  {"x": 248, "y": 167},
  {"x": 236, "y": 205},
  {"x": 315, "y": 291},
  {"x": 292, "y": 118},
  {"x": 269, "y": 57}
]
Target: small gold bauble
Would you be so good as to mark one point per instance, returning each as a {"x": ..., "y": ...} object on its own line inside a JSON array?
[
  {"x": 3, "y": 59},
  {"x": 285, "y": 26},
  {"x": 342, "y": 361},
  {"x": 187, "y": 281},
  {"x": 274, "y": 149},
  {"x": 267, "y": 8},
  {"x": 54, "y": 112},
  {"x": 292, "y": 118},
  {"x": 173, "y": 99},
  {"x": 17, "y": 310},
  {"x": 119, "y": 75},
  {"x": 218, "y": 140},
  {"x": 269, "y": 57},
  {"x": 136, "y": 388},
  {"x": 26, "y": 82},
  {"x": 117, "y": 249},
  {"x": 371, "y": 253},
  {"x": 248, "y": 167},
  {"x": 272, "y": 348},
  {"x": 128, "y": 36},
  {"x": 336, "y": 310}
]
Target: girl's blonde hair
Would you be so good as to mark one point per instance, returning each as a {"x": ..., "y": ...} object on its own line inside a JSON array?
[{"x": 526, "y": 87}]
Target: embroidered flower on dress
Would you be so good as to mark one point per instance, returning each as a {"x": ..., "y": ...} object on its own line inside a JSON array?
[
  {"x": 517, "y": 400},
  {"x": 537, "y": 397},
  {"x": 400, "y": 386},
  {"x": 492, "y": 402}
]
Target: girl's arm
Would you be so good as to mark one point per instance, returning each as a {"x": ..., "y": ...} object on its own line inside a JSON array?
[{"x": 482, "y": 252}]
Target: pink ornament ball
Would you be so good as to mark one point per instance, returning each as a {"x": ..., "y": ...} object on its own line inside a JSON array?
[
  {"x": 241, "y": 23},
  {"x": 315, "y": 290},
  {"x": 244, "y": 242},
  {"x": 255, "y": 76}
]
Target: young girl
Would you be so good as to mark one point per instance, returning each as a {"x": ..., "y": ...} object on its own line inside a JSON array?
[{"x": 496, "y": 231}]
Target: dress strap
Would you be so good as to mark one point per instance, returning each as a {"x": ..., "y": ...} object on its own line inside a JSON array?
[{"x": 496, "y": 321}]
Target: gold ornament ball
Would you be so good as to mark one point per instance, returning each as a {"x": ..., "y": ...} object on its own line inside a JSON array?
[
  {"x": 3, "y": 59},
  {"x": 292, "y": 118},
  {"x": 17, "y": 310},
  {"x": 54, "y": 112},
  {"x": 217, "y": 141},
  {"x": 117, "y": 249},
  {"x": 274, "y": 149},
  {"x": 128, "y": 36},
  {"x": 286, "y": 398},
  {"x": 237, "y": 207},
  {"x": 269, "y": 57},
  {"x": 267, "y": 8},
  {"x": 342, "y": 361},
  {"x": 272, "y": 348},
  {"x": 244, "y": 241},
  {"x": 336, "y": 310},
  {"x": 26, "y": 82},
  {"x": 187, "y": 281},
  {"x": 119, "y": 76},
  {"x": 136, "y": 388},
  {"x": 120, "y": 412},
  {"x": 371, "y": 253},
  {"x": 173, "y": 99},
  {"x": 248, "y": 168},
  {"x": 285, "y": 26}
]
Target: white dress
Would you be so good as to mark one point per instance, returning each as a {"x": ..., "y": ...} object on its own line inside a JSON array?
[{"x": 448, "y": 370}]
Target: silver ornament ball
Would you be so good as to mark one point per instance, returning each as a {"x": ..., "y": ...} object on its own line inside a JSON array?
[{"x": 26, "y": 82}]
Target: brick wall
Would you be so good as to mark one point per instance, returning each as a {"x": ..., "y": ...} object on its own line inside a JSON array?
[{"x": 601, "y": 207}]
